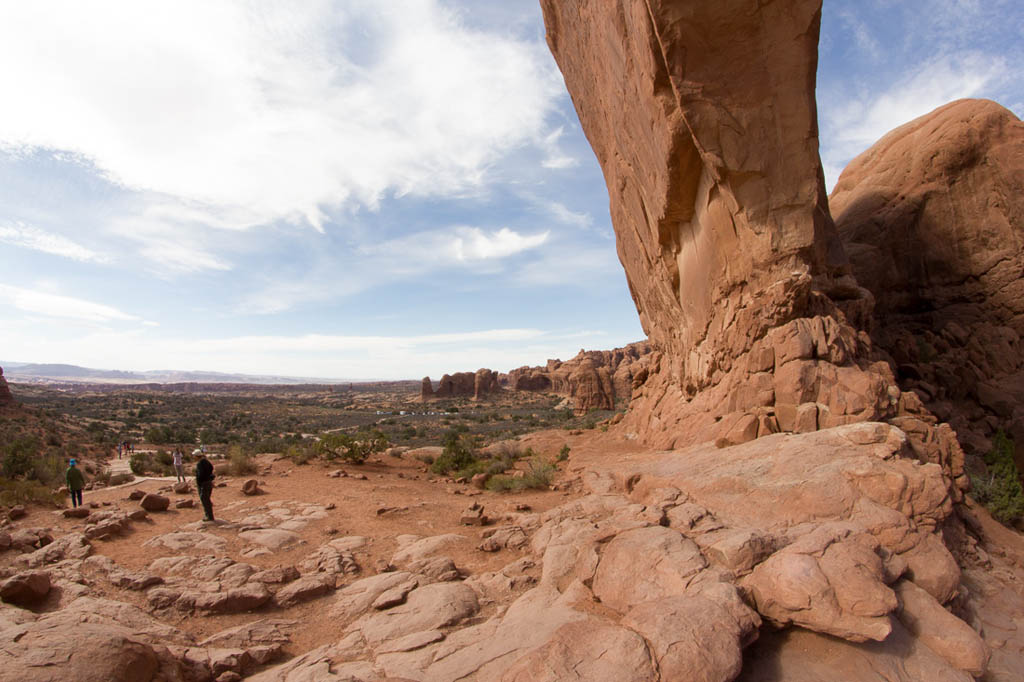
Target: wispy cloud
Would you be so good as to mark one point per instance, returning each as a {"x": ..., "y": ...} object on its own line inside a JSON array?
[
  {"x": 854, "y": 124},
  {"x": 254, "y": 113},
  {"x": 54, "y": 305},
  {"x": 29, "y": 237},
  {"x": 456, "y": 245}
]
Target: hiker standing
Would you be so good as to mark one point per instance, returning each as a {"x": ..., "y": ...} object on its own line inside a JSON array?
[
  {"x": 179, "y": 465},
  {"x": 75, "y": 481},
  {"x": 204, "y": 482}
]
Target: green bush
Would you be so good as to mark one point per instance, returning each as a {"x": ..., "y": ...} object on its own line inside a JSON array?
[
  {"x": 240, "y": 463},
  {"x": 563, "y": 454},
  {"x": 299, "y": 454},
  {"x": 19, "y": 456},
  {"x": 456, "y": 456},
  {"x": 539, "y": 473},
  {"x": 1000, "y": 491},
  {"x": 339, "y": 445},
  {"x": 27, "y": 492},
  {"x": 137, "y": 463}
]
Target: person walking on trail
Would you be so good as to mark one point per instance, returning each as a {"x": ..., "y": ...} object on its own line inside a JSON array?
[
  {"x": 76, "y": 481},
  {"x": 204, "y": 482},
  {"x": 179, "y": 465}
]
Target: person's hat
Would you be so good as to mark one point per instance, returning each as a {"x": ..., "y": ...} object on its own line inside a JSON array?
[{"x": 71, "y": 462}]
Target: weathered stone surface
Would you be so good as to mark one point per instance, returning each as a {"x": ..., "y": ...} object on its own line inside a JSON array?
[
  {"x": 476, "y": 385},
  {"x": 940, "y": 630},
  {"x": 26, "y": 588},
  {"x": 585, "y": 651},
  {"x": 152, "y": 502},
  {"x": 251, "y": 487},
  {"x": 426, "y": 608},
  {"x": 931, "y": 219},
  {"x": 305, "y": 588},
  {"x": 273, "y": 539}
]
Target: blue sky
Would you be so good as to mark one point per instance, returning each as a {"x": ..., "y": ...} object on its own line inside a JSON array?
[{"x": 360, "y": 189}]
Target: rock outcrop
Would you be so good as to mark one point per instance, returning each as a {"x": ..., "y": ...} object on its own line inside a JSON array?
[
  {"x": 932, "y": 219},
  {"x": 6, "y": 398},
  {"x": 602, "y": 379},
  {"x": 476, "y": 385}
]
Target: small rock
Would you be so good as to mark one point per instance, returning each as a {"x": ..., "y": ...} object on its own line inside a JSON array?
[
  {"x": 473, "y": 516},
  {"x": 251, "y": 487},
  {"x": 330, "y": 506},
  {"x": 480, "y": 480},
  {"x": 25, "y": 588},
  {"x": 185, "y": 504},
  {"x": 138, "y": 515},
  {"x": 136, "y": 495},
  {"x": 16, "y": 512},
  {"x": 75, "y": 513},
  {"x": 229, "y": 676},
  {"x": 361, "y": 477},
  {"x": 182, "y": 488},
  {"x": 338, "y": 473},
  {"x": 153, "y": 502}
]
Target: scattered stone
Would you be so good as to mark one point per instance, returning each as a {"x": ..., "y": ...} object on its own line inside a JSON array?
[
  {"x": 184, "y": 504},
  {"x": 473, "y": 516},
  {"x": 251, "y": 487},
  {"x": 330, "y": 506},
  {"x": 26, "y": 588},
  {"x": 305, "y": 588},
  {"x": 152, "y": 502},
  {"x": 75, "y": 513},
  {"x": 182, "y": 488},
  {"x": 138, "y": 515},
  {"x": 338, "y": 473},
  {"x": 16, "y": 512},
  {"x": 136, "y": 495},
  {"x": 276, "y": 576},
  {"x": 480, "y": 480}
]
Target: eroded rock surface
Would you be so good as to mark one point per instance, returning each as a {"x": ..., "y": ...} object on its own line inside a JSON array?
[{"x": 934, "y": 226}]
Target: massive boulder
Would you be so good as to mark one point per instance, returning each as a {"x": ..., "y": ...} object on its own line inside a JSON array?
[
  {"x": 6, "y": 398},
  {"x": 932, "y": 220}
]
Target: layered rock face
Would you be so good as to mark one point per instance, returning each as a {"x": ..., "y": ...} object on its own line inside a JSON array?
[
  {"x": 932, "y": 220},
  {"x": 593, "y": 379},
  {"x": 6, "y": 398},
  {"x": 703, "y": 118},
  {"x": 462, "y": 385}
]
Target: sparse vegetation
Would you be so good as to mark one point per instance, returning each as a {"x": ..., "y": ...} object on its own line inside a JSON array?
[
  {"x": 1000, "y": 489},
  {"x": 240, "y": 463}
]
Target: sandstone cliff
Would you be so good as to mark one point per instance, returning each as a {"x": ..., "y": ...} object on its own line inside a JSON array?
[{"x": 932, "y": 219}]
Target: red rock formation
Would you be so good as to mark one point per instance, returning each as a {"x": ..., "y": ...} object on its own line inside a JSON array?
[
  {"x": 6, "y": 398},
  {"x": 703, "y": 118},
  {"x": 476, "y": 385},
  {"x": 932, "y": 220},
  {"x": 599, "y": 379}
]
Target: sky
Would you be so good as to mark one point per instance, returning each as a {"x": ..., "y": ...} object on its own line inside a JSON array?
[{"x": 360, "y": 189}]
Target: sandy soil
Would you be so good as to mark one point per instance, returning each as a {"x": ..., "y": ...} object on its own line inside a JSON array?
[{"x": 421, "y": 504}]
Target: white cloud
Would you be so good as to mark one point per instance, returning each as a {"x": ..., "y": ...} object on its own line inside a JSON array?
[
  {"x": 565, "y": 215},
  {"x": 28, "y": 237},
  {"x": 456, "y": 245},
  {"x": 555, "y": 158},
  {"x": 248, "y": 113},
  {"x": 53, "y": 305},
  {"x": 853, "y": 125}
]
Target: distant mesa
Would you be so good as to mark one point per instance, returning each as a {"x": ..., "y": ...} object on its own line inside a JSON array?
[
  {"x": 6, "y": 397},
  {"x": 592, "y": 379}
]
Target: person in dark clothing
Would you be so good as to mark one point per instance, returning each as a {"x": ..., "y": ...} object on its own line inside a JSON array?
[
  {"x": 75, "y": 481},
  {"x": 204, "y": 482}
]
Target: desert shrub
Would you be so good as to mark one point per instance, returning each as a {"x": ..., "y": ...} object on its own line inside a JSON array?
[
  {"x": 164, "y": 458},
  {"x": 425, "y": 458},
  {"x": 48, "y": 468},
  {"x": 299, "y": 454},
  {"x": 339, "y": 445},
  {"x": 501, "y": 484},
  {"x": 1000, "y": 490},
  {"x": 456, "y": 456},
  {"x": 452, "y": 410},
  {"x": 539, "y": 473},
  {"x": 239, "y": 462},
  {"x": 157, "y": 435},
  {"x": 563, "y": 454},
  {"x": 27, "y": 492},
  {"x": 19, "y": 456},
  {"x": 137, "y": 463}
]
